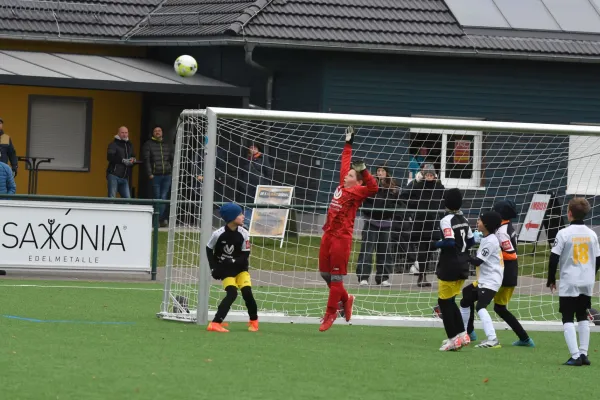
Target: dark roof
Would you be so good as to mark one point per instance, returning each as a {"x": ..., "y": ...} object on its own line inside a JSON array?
[
  {"x": 193, "y": 18},
  {"x": 357, "y": 25},
  {"x": 104, "y": 73},
  {"x": 74, "y": 18},
  {"x": 395, "y": 22}
]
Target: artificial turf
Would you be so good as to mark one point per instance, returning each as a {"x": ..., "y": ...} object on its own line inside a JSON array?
[{"x": 100, "y": 340}]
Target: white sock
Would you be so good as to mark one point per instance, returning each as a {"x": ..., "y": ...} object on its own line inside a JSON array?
[
  {"x": 571, "y": 339},
  {"x": 488, "y": 326},
  {"x": 466, "y": 313},
  {"x": 584, "y": 336}
]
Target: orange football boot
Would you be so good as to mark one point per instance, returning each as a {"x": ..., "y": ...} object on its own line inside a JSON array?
[
  {"x": 216, "y": 327},
  {"x": 328, "y": 320},
  {"x": 253, "y": 326}
]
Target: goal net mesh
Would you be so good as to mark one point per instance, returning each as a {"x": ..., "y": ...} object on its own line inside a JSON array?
[{"x": 304, "y": 159}]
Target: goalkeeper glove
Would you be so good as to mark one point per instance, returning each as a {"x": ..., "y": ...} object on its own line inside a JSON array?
[
  {"x": 358, "y": 165},
  {"x": 349, "y": 135},
  {"x": 216, "y": 273}
]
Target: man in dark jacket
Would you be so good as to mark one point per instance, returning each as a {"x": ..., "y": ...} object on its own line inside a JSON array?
[
  {"x": 7, "y": 150},
  {"x": 121, "y": 157},
  {"x": 424, "y": 194},
  {"x": 157, "y": 156}
]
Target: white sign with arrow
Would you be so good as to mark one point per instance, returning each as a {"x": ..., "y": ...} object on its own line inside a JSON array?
[{"x": 530, "y": 229}]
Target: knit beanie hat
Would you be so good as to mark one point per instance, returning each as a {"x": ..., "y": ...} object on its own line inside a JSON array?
[
  {"x": 491, "y": 220},
  {"x": 453, "y": 199},
  {"x": 428, "y": 169},
  {"x": 230, "y": 211},
  {"x": 506, "y": 208}
]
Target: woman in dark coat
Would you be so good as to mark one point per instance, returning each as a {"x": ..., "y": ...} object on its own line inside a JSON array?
[{"x": 424, "y": 194}]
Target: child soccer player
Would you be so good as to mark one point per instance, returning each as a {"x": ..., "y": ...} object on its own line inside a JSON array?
[
  {"x": 453, "y": 268},
  {"x": 228, "y": 251},
  {"x": 577, "y": 252},
  {"x": 490, "y": 272},
  {"x": 507, "y": 237},
  {"x": 336, "y": 242}
]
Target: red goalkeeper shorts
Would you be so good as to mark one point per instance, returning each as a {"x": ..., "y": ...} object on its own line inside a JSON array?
[{"x": 334, "y": 254}]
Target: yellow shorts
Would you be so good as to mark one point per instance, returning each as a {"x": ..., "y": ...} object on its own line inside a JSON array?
[
  {"x": 449, "y": 289},
  {"x": 241, "y": 280},
  {"x": 504, "y": 295}
]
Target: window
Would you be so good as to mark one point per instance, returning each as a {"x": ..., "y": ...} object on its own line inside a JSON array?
[
  {"x": 60, "y": 127},
  {"x": 583, "y": 176},
  {"x": 455, "y": 155}
]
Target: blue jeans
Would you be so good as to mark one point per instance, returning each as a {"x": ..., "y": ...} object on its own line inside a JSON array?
[
  {"x": 161, "y": 185},
  {"x": 116, "y": 184}
]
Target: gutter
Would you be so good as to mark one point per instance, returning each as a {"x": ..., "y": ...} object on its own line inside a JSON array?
[
  {"x": 323, "y": 46},
  {"x": 249, "y": 48}
]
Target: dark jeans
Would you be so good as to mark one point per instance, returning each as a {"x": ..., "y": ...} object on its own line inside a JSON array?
[
  {"x": 376, "y": 241},
  {"x": 116, "y": 184},
  {"x": 401, "y": 238},
  {"x": 161, "y": 185}
]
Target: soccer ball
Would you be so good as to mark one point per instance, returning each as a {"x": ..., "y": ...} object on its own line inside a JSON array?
[{"x": 185, "y": 66}]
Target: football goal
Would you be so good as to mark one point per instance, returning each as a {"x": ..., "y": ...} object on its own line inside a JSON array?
[{"x": 283, "y": 169}]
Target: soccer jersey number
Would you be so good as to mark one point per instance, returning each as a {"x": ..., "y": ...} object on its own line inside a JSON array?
[{"x": 581, "y": 253}]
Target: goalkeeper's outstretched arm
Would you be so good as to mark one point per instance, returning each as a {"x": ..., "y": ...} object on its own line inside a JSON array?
[{"x": 347, "y": 155}]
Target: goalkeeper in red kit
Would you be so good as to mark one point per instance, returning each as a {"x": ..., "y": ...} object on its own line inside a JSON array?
[{"x": 336, "y": 242}]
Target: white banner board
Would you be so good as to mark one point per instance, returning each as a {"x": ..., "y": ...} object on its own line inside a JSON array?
[
  {"x": 75, "y": 236},
  {"x": 531, "y": 226}
]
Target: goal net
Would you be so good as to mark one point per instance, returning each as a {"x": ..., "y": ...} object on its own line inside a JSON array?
[{"x": 283, "y": 169}]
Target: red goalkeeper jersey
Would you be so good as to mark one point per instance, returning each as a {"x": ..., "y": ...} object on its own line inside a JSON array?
[{"x": 346, "y": 201}]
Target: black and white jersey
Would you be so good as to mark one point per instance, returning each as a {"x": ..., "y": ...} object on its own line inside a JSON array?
[
  {"x": 453, "y": 264},
  {"x": 229, "y": 249},
  {"x": 491, "y": 272}
]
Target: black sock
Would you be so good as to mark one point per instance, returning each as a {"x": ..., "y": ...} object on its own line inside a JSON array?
[
  {"x": 250, "y": 303},
  {"x": 471, "y": 323},
  {"x": 512, "y": 321},
  {"x": 448, "y": 317},
  {"x": 225, "y": 304}
]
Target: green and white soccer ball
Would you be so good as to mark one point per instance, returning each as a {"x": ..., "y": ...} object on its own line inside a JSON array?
[{"x": 185, "y": 66}]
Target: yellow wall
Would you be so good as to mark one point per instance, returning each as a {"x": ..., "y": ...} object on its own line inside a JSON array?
[{"x": 110, "y": 111}]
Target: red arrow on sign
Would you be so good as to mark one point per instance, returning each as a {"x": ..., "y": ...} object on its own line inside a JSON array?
[{"x": 531, "y": 225}]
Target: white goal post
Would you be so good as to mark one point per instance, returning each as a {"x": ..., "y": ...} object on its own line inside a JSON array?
[{"x": 487, "y": 160}]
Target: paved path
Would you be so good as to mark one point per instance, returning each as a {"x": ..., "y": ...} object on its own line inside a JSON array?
[{"x": 406, "y": 282}]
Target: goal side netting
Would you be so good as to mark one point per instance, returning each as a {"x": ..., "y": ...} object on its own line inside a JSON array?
[{"x": 284, "y": 167}]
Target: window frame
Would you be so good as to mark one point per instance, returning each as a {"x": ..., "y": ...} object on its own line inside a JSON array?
[
  {"x": 89, "y": 102},
  {"x": 476, "y": 181},
  {"x": 569, "y": 189}
]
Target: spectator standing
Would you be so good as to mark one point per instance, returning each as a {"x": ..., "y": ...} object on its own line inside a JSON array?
[
  {"x": 157, "y": 156},
  {"x": 7, "y": 150},
  {"x": 7, "y": 181},
  {"x": 425, "y": 195},
  {"x": 255, "y": 170},
  {"x": 377, "y": 231},
  {"x": 121, "y": 157},
  {"x": 416, "y": 162}
]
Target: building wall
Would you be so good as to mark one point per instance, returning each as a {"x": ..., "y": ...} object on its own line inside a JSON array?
[
  {"x": 502, "y": 90},
  {"x": 110, "y": 111}
]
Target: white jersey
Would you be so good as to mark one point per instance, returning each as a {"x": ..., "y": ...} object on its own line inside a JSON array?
[
  {"x": 491, "y": 272},
  {"x": 577, "y": 246}
]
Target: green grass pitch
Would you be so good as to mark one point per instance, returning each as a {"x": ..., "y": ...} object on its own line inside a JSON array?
[{"x": 100, "y": 340}]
